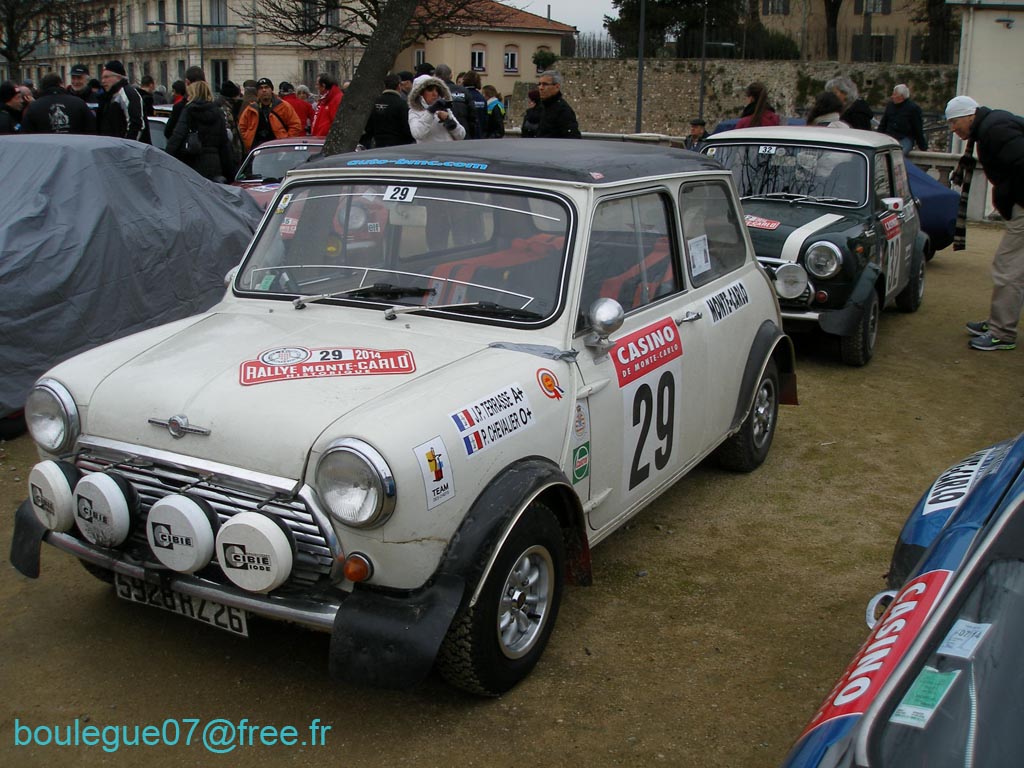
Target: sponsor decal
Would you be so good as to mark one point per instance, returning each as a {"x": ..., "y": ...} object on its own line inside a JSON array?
[
  {"x": 581, "y": 423},
  {"x": 89, "y": 513},
  {"x": 646, "y": 350},
  {"x": 580, "y": 462},
  {"x": 492, "y": 419},
  {"x": 41, "y": 502},
  {"x": 165, "y": 538},
  {"x": 438, "y": 481},
  {"x": 264, "y": 188},
  {"x": 549, "y": 384},
  {"x": 756, "y": 222},
  {"x": 953, "y": 484},
  {"x": 891, "y": 226},
  {"x": 885, "y": 646},
  {"x": 236, "y": 557},
  {"x": 282, "y": 204},
  {"x": 727, "y": 301},
  {"x": 324, "y": 363},
  {"x": 417, "y": 162}
]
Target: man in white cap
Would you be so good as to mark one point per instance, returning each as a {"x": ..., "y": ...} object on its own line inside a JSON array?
[{"x": 999, "y": 137}]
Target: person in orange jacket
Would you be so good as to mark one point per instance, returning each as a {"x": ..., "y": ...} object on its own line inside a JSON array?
[
  {"x": 267, "y": 118},
  {"x": 327, "y": 106}
]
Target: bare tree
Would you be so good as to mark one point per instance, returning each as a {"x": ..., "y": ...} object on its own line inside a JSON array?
[
  {"x": 323, "y": 24},
  {"x": 592, "y": 45},
  {"x": 26, "y": 25}
]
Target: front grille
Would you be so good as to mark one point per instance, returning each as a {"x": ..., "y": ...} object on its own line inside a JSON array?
[{"x": 154, "y": 480}]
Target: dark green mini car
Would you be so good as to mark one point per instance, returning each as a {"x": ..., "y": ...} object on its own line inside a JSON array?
[{"x": 834, "y": 222}]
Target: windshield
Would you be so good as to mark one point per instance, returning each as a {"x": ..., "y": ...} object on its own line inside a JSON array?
[
  {"x": 469, "y": 250},
  {"x": 272, "y": 163},
  {"x": 789, "y": 172}
]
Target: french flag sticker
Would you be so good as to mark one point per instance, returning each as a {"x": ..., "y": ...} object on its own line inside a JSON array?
[
  {"x": 463, "y": 420},
  {"x": 474, "y": 442}
]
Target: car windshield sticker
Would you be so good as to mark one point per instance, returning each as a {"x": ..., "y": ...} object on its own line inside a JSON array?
[
  {"x": 549, "y": 384},
  {"x": 712, "y": 151},
  {"x": 491, "y": 419},
  {"x": 283, "y": 203},
  {"x": 399, "y": 194},
  {"x": 700, "y": 260},
  {"x": 438, "y": 481},
  {"x": 791, "y": 248},
  {"x": 646, "y": 350},
  {"x": 727, "y": 301},
  {"x": 884, "y": 649},
  {"x": 423, "y": 163},
  {"x": 924, "y": 697},
  {"x": 580, "y": 463},
  {"x": 766, "y": 149},
  {"x": 286, "y": 363},
  {"x": 891, "y": 226},
  {"x": 963, "y": 639},
  {"x": 756, "y": 222}
]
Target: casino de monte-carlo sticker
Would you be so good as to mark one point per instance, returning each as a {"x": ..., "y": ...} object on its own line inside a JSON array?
[
  {"x": 438, "y": 480},
  {"x": 648, "y": 368},
  {"x": 287, "y": 363},
  {"x": 492, "y": 419}
]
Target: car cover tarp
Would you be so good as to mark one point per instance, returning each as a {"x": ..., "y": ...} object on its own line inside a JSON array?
[{"x": 100, "y": 238}]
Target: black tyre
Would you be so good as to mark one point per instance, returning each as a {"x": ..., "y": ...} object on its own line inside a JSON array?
[
  {"x": 12, "y": 426},
  {"x": 747, "y": 449},
  {"x": 909, "y": 299},
  {"x": 493, "y": 645},
  {"x": 858, "y": 348}
]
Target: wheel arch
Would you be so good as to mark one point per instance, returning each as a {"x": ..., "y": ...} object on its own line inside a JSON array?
[{"x": 770, "y": 343}]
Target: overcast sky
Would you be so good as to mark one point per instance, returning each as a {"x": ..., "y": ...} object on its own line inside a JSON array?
[{"x": 585, "y": 15}]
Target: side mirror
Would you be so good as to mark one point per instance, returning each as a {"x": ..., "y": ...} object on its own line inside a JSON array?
[
  {"x": 229, "y": 277},
  {"x": 892, "y": 204},
  {"x": 605, "y": 317}
]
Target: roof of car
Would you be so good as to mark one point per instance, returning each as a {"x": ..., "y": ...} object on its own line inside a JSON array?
[
  {"x": 289, "y": 141},
  {"x": 590, "y": 162},
  {"x": 808, "y": 134}
]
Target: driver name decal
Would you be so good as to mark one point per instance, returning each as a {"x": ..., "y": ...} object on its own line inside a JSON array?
[
  {"x": 491, "y": 419},
  {"x": 288, "y": 363},
  {"x": 645, "y": 350}
]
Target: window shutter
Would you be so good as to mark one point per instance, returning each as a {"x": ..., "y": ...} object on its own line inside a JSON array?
[
  {"x": 858, "y": 7},
  {"x": 764, "y": 7},
  {"x": 857, "y": 53},
  {"x": 785, "y": 7},
  {"x": 889, "y": 48},
  {"x": 886, "y": 7}
]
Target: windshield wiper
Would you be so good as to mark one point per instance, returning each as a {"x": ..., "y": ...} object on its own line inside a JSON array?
[
  {"x": 473, "y": 307},
  {"x": 828, "y": 199},
  {"x": 773, "y": 196},
  {"x": 377, "y": 290}
]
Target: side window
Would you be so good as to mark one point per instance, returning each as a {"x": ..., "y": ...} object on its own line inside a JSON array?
[
  {"x": 712, "y": 231},
  {"x": 883, "y": 183},
  {"x": 631, "y": 256},
  {"x": 899, "y": 172}
]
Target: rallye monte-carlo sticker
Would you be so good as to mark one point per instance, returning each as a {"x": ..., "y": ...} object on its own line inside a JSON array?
[
  {"x": 728, "y": 300},
  {"x": 648, "y": 368},
  {"x": 757, "y": 222},
  {"x": 432, "y": 457},
  {"x": 492, "y": 419},
  {"x": 287, "y": 363}
]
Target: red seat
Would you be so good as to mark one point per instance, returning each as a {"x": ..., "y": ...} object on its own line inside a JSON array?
[{"x": 629, "y": 287}]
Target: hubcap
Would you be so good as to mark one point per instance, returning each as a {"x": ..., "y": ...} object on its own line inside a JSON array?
[
  {"x": 764, "y": 412},
  {"x": 525, "y": 601},
  {"x": 872, "y": 329}
]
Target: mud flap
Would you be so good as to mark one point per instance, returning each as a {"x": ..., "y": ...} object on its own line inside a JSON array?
[
  {"x": 844, "y": 322},
  {"x": 389, "y": 641},
  {"x": 27, "y": 540}
]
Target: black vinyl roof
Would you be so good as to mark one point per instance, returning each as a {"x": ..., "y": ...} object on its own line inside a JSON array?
[{"x": 579, "y": 160}]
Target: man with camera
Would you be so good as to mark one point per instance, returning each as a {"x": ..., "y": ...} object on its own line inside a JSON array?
[{"x": 430, "y": 112}]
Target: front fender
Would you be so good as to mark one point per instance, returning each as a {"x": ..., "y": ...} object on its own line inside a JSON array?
[
  {"x": 844, "y": 322},
  {"x": 769, "y": 342}
]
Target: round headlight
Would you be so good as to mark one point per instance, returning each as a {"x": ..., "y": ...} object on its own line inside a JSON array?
[
  {"x": 52, "y": 416},
  {"x": 790, "y": 281},
  {"x": 823, "y": 259},
  {"x": 355, "y": 484}
]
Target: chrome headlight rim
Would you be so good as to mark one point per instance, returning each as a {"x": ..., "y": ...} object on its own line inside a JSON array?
[
  {"x": 385, "y": 481},
  {"x": 69, "y": 413},
  {"x": 791, "y": 274},
  {"x": 836, "y": 265}
]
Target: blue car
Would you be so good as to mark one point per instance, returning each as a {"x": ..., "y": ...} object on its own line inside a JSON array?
[{"x": 939, "y": 680}]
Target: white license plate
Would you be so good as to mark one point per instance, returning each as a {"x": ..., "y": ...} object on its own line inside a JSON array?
[{"x": 226, "y": 617}]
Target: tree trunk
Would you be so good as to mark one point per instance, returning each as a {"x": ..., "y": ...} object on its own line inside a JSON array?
[{"x": 378, "y": 57}]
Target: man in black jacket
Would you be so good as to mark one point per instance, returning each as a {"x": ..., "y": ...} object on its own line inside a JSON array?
[
  {"x": 557, "y": 120},
  {"x": 121, "y": 113},
  {"x": 388, "y": 125},
  {"x": 11, "y": 107},
  {"x": 57, "y": 111},
  {"x": 903, "y": 120},
  {"x": 999, "y": 137},
  {"x": 462, "y": 103}
]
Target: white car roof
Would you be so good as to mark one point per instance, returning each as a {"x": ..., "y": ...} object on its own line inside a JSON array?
[{"x": 850, "y": 137}]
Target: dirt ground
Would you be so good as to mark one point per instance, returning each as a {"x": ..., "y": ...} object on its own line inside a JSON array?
[{"x": 718, "y": 620}]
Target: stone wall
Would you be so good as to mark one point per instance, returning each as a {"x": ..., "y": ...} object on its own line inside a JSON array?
[{"x": 603, "y": 91}]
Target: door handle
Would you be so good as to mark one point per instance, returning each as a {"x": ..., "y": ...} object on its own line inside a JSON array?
[{"x": 689, "y": 317}]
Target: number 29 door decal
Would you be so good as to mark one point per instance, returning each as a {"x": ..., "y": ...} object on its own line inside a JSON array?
[{"x": 648, "y": 367}]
